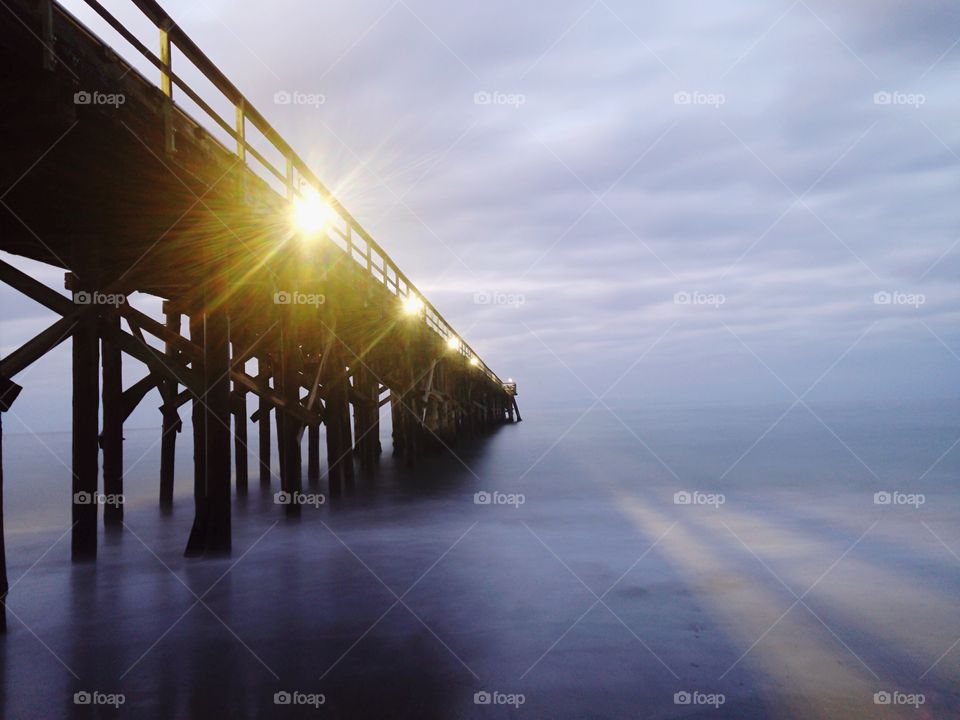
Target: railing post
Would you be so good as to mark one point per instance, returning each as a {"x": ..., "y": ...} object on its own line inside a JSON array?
[
  {"x": 241, "y": 129},
  {"x": 166, "y": 86}
]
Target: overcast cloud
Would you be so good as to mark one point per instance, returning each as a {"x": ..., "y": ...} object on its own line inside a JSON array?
[{"x": 560, "y": 177}]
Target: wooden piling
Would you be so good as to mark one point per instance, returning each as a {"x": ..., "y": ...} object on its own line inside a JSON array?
[
  {"x": 313, "y": 454},
  {"x": 263, "y": 424},
  {"x": 210, "y": 533},
  {"x": 241, "y": 472},
  {"x": 171, "y": 417},
  {"x": 8, "y": 393},
  {"x": 410, "y": 407},
  {"x": 337, "y": 417},
  {"x": 113, "y": 415},
  {"x": 396, "y": 421},
  {"x": 195, "y": 543},
  {"x": 84, "y": 441},
  {"x": 288, "y": 426},
  {"x": 217, "y": 368},
  {"x": 4, "y": 584},
  {"x": 279, "y": 418},
  {"x": 366, "y": 415}
]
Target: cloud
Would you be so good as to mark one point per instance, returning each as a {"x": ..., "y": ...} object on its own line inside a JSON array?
[{"x": 601, "y": 195}]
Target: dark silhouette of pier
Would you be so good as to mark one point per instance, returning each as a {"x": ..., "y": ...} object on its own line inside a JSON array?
[{"x": 107, "y": 178}]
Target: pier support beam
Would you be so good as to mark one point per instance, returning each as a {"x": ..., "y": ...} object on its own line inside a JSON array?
[
  {"x": 337, "y": 418},
  {"x": 263, "y": 431},
  {"x": 171, "y": 419},
  {"x": 241, "y": 471},
  {"x": 198, "y": 417},
  {"x": 4, "y": 583},
  {"x": 85, "y": 446},
  {"x": 366, "y": 415},
  {"x": 8, "y": 393},
  {"x": 396, "y": 421},
  {"x": 113, "y": 415},
  {"x": 263, "y": 425},
  {"x": 288, "y": 426},
  {"x": 211, "y": 417},
  {"x": 407, "y": 414},
  {"x": 313, "y": 454}
]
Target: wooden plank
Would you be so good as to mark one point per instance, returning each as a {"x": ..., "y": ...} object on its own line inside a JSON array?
[
  {"x": 163, "y": 332},
  {"x": 134, "y": 394},
  {"x": 38, "y": 346}
]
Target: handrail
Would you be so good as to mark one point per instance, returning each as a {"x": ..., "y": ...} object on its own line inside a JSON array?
[{"x": 171, "y": 34}]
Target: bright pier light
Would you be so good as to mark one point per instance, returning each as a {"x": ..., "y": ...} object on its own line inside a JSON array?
[
  {"x": 412, "y": 305},
  {"x": 311, "y": 214},
  {"x": 453, "y": 342},
  {"x": 474, "y": 361}
]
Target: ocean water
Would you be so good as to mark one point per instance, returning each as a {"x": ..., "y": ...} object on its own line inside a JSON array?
[{"x": 587, "y": 587}]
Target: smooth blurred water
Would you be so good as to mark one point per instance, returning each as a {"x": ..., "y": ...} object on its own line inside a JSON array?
[{"x": 597, "y": 597}]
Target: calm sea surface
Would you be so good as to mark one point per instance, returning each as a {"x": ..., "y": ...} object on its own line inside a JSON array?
[{"x": 587, "y": 587}]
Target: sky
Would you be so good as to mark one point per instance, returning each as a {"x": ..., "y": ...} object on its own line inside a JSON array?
[{"x": 634, "y": 202}]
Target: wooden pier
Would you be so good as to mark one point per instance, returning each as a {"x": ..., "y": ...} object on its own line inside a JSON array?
[{"x": 106, "y": 177}]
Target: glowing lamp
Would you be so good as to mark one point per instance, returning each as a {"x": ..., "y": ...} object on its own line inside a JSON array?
[
  {"x": 311, "y": 214},
  {"x": 412, "y": 305},
  {"x": 452, "y": 342}
]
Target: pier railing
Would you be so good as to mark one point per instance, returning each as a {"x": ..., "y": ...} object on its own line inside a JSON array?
[{"x": 296, "y": 177}]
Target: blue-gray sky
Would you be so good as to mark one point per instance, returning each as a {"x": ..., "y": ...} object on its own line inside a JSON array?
[{"x": 561, "y": 178}]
